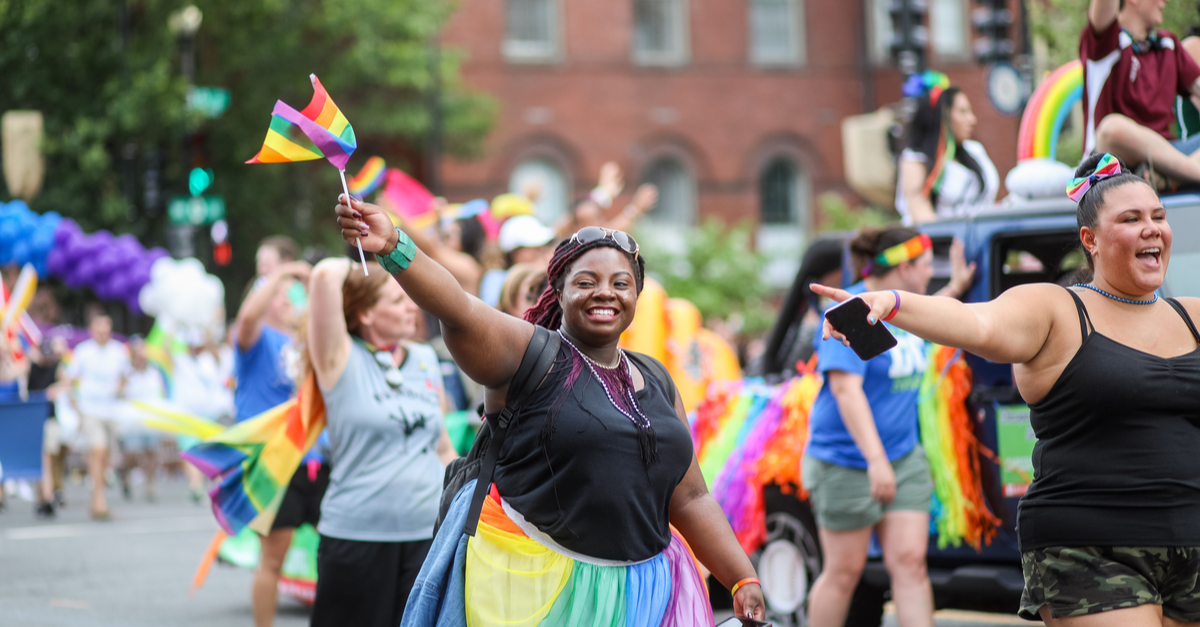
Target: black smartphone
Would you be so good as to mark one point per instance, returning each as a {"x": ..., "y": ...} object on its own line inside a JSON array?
[
  {"x": 743, "y": 622},
  {"x": 850, "y": 319}
]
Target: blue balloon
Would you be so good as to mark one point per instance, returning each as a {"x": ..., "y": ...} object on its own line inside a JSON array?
[
  {"x": 21, "y": 253},
  {"x": 42, "y": 268}
]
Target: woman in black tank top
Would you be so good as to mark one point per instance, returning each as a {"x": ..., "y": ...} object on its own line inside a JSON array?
[{"x": 1111, "y": 523}]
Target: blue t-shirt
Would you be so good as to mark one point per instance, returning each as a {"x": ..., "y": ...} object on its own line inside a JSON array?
[
  {"x": 892, "y": 384},
  {"x": 263, "y": 380}
]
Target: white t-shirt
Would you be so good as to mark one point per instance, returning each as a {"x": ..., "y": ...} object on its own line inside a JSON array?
[
  {"x": 98, "y": 370},
  {"x": 200, "y": 385},
  {"x": 960, "y": 194}
]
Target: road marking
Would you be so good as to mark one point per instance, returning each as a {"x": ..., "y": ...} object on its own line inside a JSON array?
[{"x": 125, "y": 527}]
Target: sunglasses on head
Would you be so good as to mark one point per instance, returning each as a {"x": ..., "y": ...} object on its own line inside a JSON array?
[{"x": 591, "y": 234}]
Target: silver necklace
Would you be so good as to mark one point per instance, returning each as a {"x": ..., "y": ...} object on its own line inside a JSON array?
[{"x": 645, "y": 422}]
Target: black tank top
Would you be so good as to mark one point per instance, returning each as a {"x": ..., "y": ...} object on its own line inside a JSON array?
[
  {"x": 590, "y": 491},
  {"x": 1117, "y": 461}
]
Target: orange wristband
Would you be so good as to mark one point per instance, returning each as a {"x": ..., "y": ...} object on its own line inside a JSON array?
[{"x": 734, "y": 589}]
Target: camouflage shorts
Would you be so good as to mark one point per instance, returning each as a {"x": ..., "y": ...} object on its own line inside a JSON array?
[{"x": 1085, "y": 580}]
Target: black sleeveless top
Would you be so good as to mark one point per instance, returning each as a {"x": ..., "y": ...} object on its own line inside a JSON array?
[
  {"x": 590, "y": 491},
  {"x": 1117, "y": 461}
]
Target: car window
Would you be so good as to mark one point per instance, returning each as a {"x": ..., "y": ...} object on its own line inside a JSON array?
[
  {"x": 1039, "y": 257},
  {"x": 941, "y": 264},
  {"x": 1183, "y": 270}
]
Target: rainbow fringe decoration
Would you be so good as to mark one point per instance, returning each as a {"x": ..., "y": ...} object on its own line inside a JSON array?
[
  {"x": 369, "y": 178},
  {"x": 748, "y": 435},
  {"x": 948, "y": 436},
  {"x": 256, "y": 459},
  {"x": 321, "y": 122}
]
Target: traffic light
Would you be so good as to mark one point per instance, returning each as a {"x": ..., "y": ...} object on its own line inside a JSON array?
[
  {"x": 993, "y": 21},
  {"x": 222, "y": 250},
  {"x": 909, "y": 34}
]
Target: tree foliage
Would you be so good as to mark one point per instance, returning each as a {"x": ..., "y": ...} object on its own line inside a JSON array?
[
  {"x": 107, "y": 98},
  {"x": 1059, "y": 23}
]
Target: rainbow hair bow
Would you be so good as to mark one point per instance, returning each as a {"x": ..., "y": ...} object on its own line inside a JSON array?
[
  {"x": 1108, "y": 166},
  {"x": 898, "y": 254},
  {"x": 929, "y": 82}
]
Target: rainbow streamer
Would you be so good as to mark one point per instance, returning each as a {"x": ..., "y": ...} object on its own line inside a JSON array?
[
  {"x": 321, "y": 122},
  {"x": 1046, "y": 111},
  {"x": 171, "y": 420},
  {"x": 748, "y": 435},
  {"x": 160, "y": 346},
  {"x": 256, "y": 459},
  {"x": 369, "y": 178},
  {"x": 22, "y": 294},
  {"x": 948, "y": 436}
]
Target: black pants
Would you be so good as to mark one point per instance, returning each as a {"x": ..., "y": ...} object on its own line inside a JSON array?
[{"x": 365, "y": 584}]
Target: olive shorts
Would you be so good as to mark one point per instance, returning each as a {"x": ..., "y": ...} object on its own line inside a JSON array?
[
  {"x": 841, "y": 495},
  {"x": 1076, "y": 581}
]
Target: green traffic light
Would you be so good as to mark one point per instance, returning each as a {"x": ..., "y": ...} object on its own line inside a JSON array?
[{"x": 199, "y": 180}]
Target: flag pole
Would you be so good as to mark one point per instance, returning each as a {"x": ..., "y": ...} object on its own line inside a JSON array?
[{"x": 361, "y": 256}]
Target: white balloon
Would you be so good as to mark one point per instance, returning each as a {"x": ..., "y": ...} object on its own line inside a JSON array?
[{"x": 183, "y": 292}]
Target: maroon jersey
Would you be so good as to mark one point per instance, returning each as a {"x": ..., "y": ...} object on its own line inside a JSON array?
[{"x": 1141, "y": 87}]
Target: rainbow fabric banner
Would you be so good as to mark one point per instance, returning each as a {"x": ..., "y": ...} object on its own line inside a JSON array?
[
  {"x": 369, "y": 178},
  {"x": 321, "y": 122},
  {"x": 408, "y": 199},
  {"x": 256, "y": 459}
]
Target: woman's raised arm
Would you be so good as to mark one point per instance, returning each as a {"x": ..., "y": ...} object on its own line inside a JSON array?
[
  {"x": 486, "y": 344},
  {"x": 327, "y": 338},
  {"x": 1011, "y": 329}
]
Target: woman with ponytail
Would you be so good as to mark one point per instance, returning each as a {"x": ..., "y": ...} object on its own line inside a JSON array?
[
  {"x": 1107, "y": 530},
  {"x": 942, "y": 173},
  {"x": 597, "y": 495}
]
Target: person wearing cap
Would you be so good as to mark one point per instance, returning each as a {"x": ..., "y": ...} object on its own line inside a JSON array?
[{"x": 523, "y": 239}]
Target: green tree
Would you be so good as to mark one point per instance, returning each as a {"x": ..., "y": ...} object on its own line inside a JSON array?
[
  {"x": 1059, "y": 23},
  {"x": 105, "y": 97}
]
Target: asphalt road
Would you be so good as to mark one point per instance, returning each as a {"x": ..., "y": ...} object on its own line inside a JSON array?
[{"x": 136, "y": 570}]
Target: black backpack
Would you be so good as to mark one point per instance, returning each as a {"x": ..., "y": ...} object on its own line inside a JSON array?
[{"x": 480, "y": 462}]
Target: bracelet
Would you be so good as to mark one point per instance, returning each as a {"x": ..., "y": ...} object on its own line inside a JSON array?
[
  {"x": 895, "y": 310},
  {"x": 747, "y": 580},
  {"x": 397, "y": 261}
]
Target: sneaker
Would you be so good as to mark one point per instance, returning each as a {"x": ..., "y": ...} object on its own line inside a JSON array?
[
  {"x": 59, "y": 501},
  {"x": 45, "y": 510}
]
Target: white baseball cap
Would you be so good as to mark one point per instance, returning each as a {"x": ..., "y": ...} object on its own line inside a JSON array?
[{"x": 524, "y": 232}]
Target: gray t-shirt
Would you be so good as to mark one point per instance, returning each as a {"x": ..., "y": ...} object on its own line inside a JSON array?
[{"x": 386, "y": 479}]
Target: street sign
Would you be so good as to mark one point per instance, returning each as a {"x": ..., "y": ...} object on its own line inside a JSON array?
[
  {"x": 211, "y": 101},
  {"x": 196, "y": 210}
]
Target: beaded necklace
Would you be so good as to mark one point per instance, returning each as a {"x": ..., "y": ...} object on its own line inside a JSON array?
[
  {"x": 1118, "y": 298},
  {"x": 621, "y": 378}
]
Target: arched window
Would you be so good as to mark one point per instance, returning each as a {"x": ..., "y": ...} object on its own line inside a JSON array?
[
  {"x": 676, "y": 192},
  {"x": 555, "y": 192},
  {"x": 777, "y": 190}
]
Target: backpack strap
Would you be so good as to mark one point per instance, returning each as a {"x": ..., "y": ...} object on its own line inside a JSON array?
[
  {"x": 658, "y": 370},
  {"x": 539, "y": 357}
]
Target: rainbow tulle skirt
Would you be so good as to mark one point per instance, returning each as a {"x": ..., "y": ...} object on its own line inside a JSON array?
[{"x": 515, "y": 579}]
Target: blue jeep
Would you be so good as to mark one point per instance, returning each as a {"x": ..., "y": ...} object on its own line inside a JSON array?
[{"x": 1026, "y": 242}]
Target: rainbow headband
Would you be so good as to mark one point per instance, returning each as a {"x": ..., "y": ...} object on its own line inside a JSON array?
[
  {"x": 1108, "y": 166},
  {"x": 898, "y": 254}
]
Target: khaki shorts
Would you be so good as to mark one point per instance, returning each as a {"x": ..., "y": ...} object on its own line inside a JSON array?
[
  {"x": 841, "y": 495},
  {"x": 98, "y": 433},
  {"x": 52, "y": 437}
]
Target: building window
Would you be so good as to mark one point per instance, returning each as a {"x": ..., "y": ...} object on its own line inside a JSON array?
[
  {"x": 948, "y": 28},
  {"x": 553, "y": 190},
  {"x": 676, "y": 193},
  {"x": 531, "y": 30},
  {"x": 776, "y": 32},
  {"x": 881, "y": 31},
  {"x": 777, "y": 193},
  {"x": 660, "y": 32}
]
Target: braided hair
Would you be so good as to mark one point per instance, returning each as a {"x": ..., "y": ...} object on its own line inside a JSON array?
[
  {"x": 547, "y": 312},
  {"x": 619, "y": 381}
]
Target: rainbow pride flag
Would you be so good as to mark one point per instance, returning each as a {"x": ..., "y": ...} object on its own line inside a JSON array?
[
  {"x": 369, "y": 178},
  {"x": 256, "y": 459},
  {"x": 321, "y": 122}
]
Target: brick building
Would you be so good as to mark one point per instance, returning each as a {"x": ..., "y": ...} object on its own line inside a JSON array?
[{"x": 733, "y": 107}]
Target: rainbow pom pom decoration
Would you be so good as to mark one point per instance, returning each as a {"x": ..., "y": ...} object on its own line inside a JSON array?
[{"x": 1046, "y": 111}]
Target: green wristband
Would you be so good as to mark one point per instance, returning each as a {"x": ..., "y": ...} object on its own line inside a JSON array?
[{"x": 397, "y": 261}]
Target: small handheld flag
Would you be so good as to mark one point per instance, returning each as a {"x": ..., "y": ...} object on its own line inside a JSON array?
[
  {"x": 329, "y": 135},
  {"x": 369, "y": 178}
]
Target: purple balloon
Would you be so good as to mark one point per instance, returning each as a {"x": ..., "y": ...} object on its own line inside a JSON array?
[
  {"x": 133, "y": 305},
  {"x": 56, "y": 262},
  {"x": 66, "y": 228},
  {"x": 73, "y": 277}
]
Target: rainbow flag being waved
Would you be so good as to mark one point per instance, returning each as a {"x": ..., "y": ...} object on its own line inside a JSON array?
[
  {"x": 256, "y": 459},
  {"x": 321, "y": 122}
]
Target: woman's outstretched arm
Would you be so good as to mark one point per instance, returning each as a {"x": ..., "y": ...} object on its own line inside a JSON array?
[
  {"x": 1011, "y": 329},
  {"x": 486, "y": 344}
]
